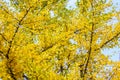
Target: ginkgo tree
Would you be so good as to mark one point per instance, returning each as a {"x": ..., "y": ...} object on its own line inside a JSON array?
[{"x": 45, "y": 40}]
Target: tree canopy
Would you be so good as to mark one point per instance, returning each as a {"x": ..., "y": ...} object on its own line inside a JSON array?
[{"x": 45, "y": 40}]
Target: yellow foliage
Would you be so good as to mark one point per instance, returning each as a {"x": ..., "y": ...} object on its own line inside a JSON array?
[{"x": 63, "y": 45}]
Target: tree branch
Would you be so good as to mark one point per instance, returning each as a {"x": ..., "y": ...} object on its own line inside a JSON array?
[
  {"x": 91, "y": 41},
  {"x": 89, "y": 52},
  {"x": 108, "y": 41},
  {"x": 10, "y": 45},
  {"x": 4, "y": 37},
  {"x": 2, "y": 54},
  {"x": 9, "y": 14},
  {"x": 112, "y": 74}
]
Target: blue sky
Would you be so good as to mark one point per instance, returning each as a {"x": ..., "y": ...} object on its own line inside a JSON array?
[{"x": 117, "y": 4}]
